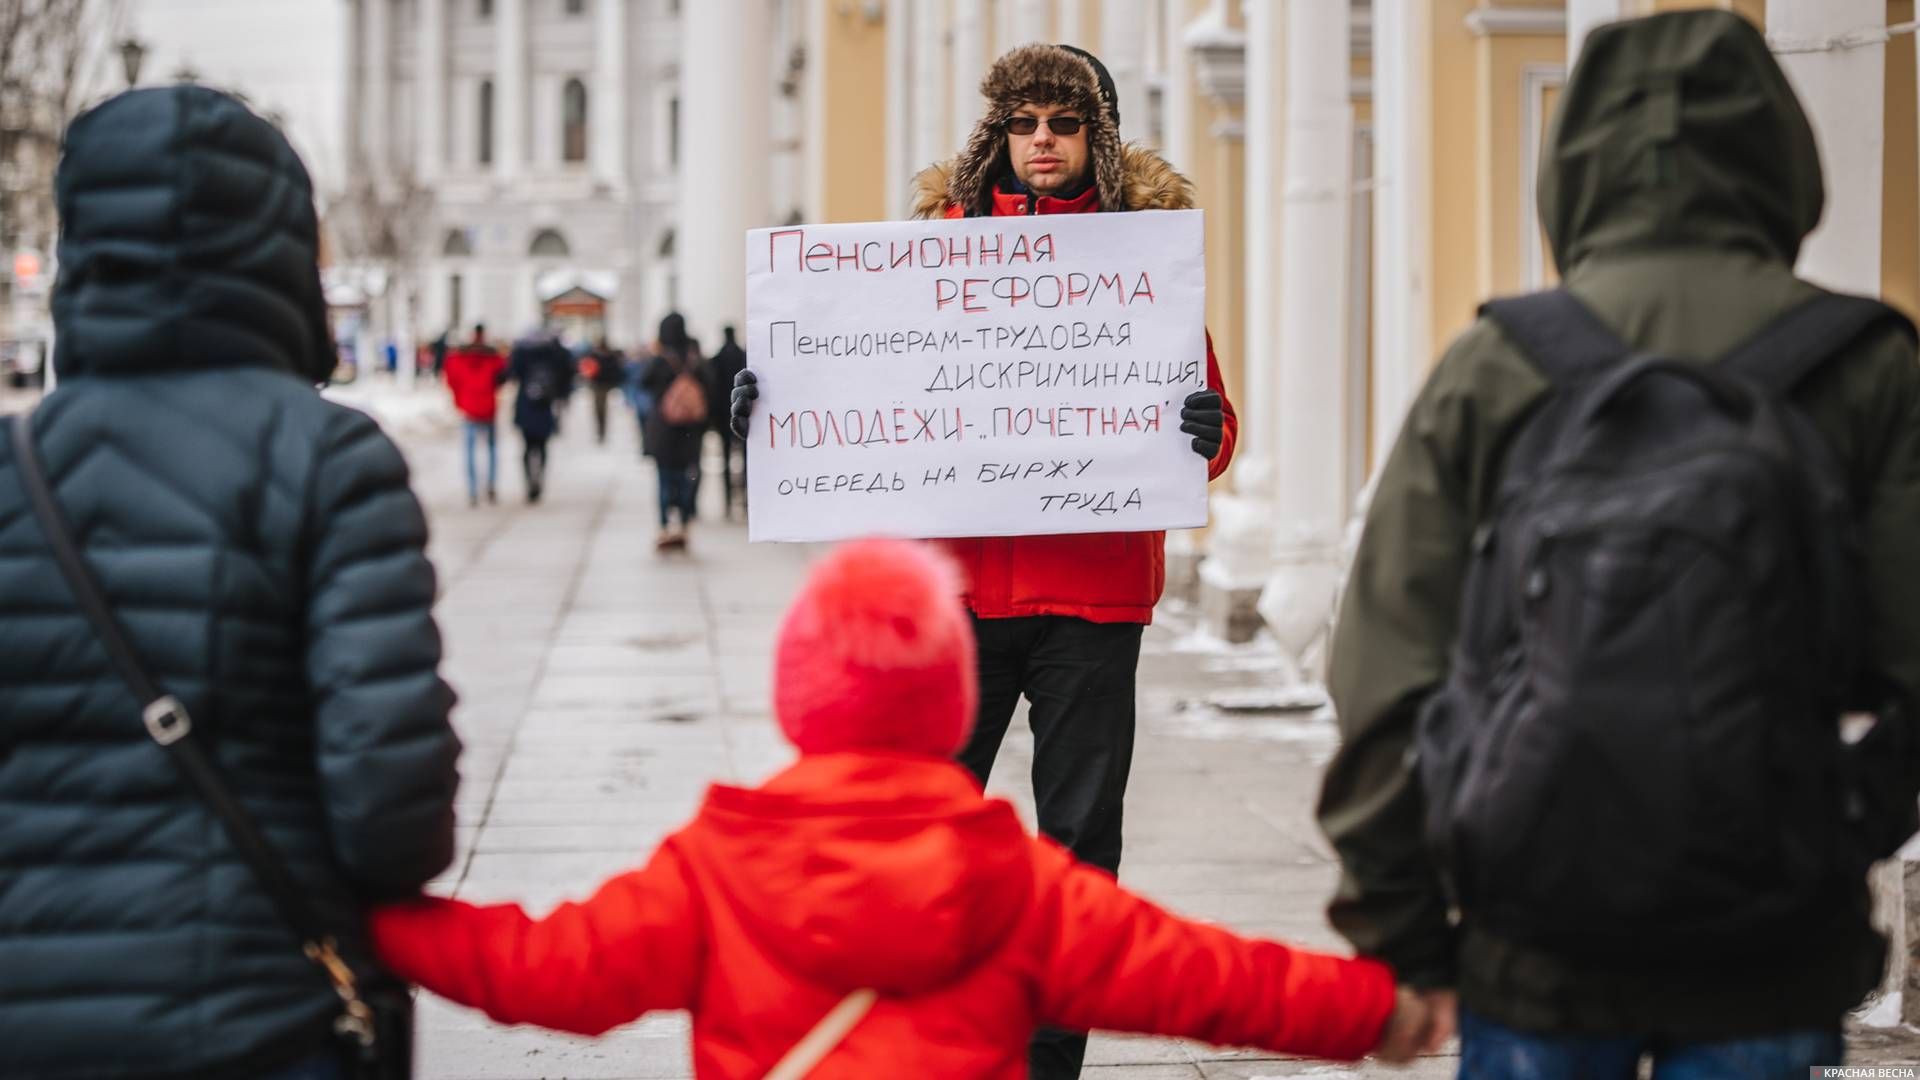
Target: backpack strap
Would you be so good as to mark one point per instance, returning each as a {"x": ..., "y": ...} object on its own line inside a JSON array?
[
  {"x": 1791, "y": 347},
  {"x": 1560, "y": 336}
]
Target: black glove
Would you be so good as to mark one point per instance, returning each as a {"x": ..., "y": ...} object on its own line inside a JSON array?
[
  {"x": 744, "y": 395},
  {"x": 1204, "y": 418}
]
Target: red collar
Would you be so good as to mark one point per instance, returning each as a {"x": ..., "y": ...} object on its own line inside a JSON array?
[{"x": 1012, "y": 205}]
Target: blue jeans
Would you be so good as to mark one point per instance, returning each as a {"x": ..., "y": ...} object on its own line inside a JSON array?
[
  {"x": 478, "y": 429},
  {"x": 324, "y": 1067},
  {"x": 677, "y": 489},
  {"x": 1489, "y": 1051}
]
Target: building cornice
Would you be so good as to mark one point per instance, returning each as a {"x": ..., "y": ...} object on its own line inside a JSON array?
[
  {"x": 1219, "y": 58},
  {"x": 1505, "y": 22}
]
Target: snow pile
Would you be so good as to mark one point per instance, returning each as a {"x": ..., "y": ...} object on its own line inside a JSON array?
[{"x": 424, "y": 409}]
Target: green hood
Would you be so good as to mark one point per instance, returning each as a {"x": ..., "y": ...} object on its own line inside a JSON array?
[{"x": 1679, "y": 130}]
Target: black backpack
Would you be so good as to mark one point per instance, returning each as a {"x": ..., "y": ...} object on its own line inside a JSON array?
[{"x": 1638, "y": 746}]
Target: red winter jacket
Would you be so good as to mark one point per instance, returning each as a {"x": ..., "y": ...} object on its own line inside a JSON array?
[
  {"x": 473, "y": 374},
  {"x": 1101, "y": 577},
  {"x": 890, "y": 872}
]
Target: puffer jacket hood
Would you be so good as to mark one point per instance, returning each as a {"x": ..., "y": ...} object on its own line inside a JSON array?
[
  {"x": 189, "y": 240},
  {"x": 840, "y": 875},
  {"x": 1679, "y": 130}
]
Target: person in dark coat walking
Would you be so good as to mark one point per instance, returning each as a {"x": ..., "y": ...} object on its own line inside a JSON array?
[
  {"x": 543, "y": 370},
  {"x": 605, "y": 369},
  {"x": 1686, "y": 266},
  {"x": 728, "y": 363},
  {"x": 676, "y": 379},
  {"x": 262, "y": 550}
]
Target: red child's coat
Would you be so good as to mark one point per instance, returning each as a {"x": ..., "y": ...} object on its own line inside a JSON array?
[{"x": 889, "y": 871}]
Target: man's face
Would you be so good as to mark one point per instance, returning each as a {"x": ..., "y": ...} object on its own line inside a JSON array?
[{"x": 1047, "y": 162}]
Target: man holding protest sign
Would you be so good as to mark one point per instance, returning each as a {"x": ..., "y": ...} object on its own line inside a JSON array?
[{"x": 1059, "y": 618}]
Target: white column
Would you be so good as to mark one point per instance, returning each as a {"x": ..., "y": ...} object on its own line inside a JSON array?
[
  {"x": 970, "y": 60},
  {"x": 724, "y": 156},
  {"x": 607, "y": 105},
  {"x": 928, "y": 133},
  {"x": 1310, "y": 498},
  {"x": 1073, "y": 26},
  {"x": 377, "y": 98},
  {"x": 1582, "y": 17},
  {"x": 509, "y": 88},
  {"x": 1402, "y": 213},
  {"x": 354, "y": 87},
  {"x": 1239, "y": 546},
  {"x": 1842, "y": 91},
  {"x": 1025, "y": 22},
  {"x": 430, "y": 74},
  {"x": 1176, "y": 98},
  {"x": 901, "y": 64},
  {"x": 1123, "y": 48}
]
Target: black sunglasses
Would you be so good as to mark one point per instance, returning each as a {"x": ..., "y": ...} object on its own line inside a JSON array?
[{"x": 1059, "y": 125}]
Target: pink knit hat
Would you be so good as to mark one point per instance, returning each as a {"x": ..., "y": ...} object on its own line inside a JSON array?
[{"x": 877, "y": 654}]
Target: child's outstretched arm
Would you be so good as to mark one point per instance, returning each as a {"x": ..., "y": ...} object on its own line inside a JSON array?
[
  {"x": 636, "y": 945},
  {"x": 1120, "y": 963}
]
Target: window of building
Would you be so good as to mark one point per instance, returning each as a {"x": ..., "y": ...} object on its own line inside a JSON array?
[
  {"x": 673, "y": 131},
  {"x": 576, "y": 7},
  {"x": 486, "y": 121},
  {"x": 457, "y": 243},
  {"x": 486, "y": 9},
  {"x": 454, "y": 307},
  {"x": 573, "y": 121},
  {"x": 549, "y": 242}
]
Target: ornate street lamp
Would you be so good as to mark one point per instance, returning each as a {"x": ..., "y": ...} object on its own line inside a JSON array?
[{"x": 132, "y": 52}]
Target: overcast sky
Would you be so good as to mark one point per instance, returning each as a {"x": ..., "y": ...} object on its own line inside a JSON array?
[{"x": 285, "y": 55}]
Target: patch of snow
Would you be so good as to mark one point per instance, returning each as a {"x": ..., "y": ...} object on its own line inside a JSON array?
[
  {"x": 424, "y": 409},
  {"x": 1297, "y": 697},
  {"x": 1884, "y": 1013},
  {"x": 1194, "y": 721}
]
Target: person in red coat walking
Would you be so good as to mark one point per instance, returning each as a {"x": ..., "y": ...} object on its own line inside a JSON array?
[
  {"x": 1060, "y": 618},
  {"x": 875, "y": 864},
  {"x": 474, "y": 372}
]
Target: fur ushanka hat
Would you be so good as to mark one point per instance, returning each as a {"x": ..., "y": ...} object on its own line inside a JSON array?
[
  {"x": 1128, "y": 176},
  {"x": 1043, "y": 75}
]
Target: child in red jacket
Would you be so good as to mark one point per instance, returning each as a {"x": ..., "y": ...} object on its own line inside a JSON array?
[{"x": 875, "y": 864}]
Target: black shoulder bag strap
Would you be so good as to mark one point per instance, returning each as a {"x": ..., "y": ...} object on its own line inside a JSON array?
[
  {"x": 1560, "y": 336},
  {"x": 1793, "y": 346},
  {"x": 169, "y": 725}
]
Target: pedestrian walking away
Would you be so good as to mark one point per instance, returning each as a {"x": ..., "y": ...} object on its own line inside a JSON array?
[
  {"x": 726, "y": 366},
  {"x": 1060, "y": 618},
  {"x": 676, "y": 381},
  {"x": 872, "y": 881},
  {"x": 190, "y": 535},
  {"x": 605, "y": 369},
  {"x": 1642, "y": 542},
  {"x": 474, "y": 373},
  {"x": 543, "y": 369}
]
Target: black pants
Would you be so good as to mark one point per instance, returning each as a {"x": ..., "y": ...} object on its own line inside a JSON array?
[
  {"x": 600, "y": 412},
  {"x": 731, "y": 448},
  {"x": 1078, "y": 679},
  {"x": 534, "y": 461}
]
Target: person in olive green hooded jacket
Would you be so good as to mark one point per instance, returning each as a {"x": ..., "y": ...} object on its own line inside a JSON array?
[{"x": 1678, "y": 184}]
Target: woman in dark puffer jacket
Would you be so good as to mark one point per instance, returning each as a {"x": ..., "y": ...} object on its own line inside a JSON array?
[{"x": 265, "y": 555}]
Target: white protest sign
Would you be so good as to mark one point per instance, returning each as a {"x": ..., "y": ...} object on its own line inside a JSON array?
[{"x": 998, "y": 376}]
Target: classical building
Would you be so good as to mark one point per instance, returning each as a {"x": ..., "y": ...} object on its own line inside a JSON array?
[{"x": 538, "y": 136}]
